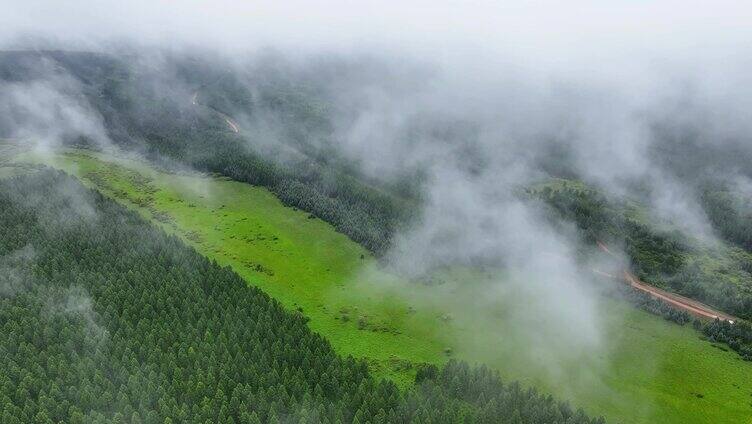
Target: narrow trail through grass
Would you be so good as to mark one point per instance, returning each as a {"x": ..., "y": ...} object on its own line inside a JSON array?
[{"x": 646, "y": 371}]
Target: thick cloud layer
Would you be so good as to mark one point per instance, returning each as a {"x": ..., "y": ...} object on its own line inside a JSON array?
[{"x": 543, "y": 30}]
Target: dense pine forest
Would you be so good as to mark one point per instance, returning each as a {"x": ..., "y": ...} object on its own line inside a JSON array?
[{"x": 104, "y": 318}]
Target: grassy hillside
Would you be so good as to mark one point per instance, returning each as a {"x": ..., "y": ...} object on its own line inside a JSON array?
[
  {"x": 648, "y": 370},
  {"x": 106, "y": 319}
]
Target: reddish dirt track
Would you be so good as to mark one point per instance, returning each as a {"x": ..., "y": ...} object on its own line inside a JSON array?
[
  {"x": 691, "y": 306},
  {"x": 230, "y": 123},
  {"x": 603, "y": 247}
]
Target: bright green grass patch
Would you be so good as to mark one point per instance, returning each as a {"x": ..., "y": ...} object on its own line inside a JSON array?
[{"x": 646, "y": 371}]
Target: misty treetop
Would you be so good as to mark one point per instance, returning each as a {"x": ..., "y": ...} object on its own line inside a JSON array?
[
  {"x": 142, "y": 110},
  {"x": 173, "y": 108},
  {"x": 106, "y": 319}
]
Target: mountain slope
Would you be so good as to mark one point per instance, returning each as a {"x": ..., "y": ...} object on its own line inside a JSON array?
[
  {"x": 105, "y": 319},
  {"x": 645, "y": 361}
]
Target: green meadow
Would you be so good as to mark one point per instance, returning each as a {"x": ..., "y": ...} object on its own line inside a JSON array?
[{"x": 646, "y": 370}]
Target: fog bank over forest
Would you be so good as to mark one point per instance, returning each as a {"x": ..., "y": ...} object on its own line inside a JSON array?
[{"x": 473, "y": 100}]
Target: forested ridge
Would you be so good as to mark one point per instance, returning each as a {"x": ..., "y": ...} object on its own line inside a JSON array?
[
  {"x": 104, "y": 318},
  {"x": 143, "y": 112}
]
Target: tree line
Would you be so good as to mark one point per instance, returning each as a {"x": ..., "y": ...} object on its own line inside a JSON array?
[{"x": 738, "y": 336}]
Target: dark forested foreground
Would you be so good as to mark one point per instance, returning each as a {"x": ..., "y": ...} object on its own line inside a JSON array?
[{"x": 104, "y": 318}]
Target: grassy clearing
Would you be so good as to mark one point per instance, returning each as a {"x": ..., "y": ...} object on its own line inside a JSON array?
[{"x": 647, "y": 371}]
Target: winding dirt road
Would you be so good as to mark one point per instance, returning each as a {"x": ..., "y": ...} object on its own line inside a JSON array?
[
  {"x": 680, "y": 302},
  {"x": 686, "y": 304},
  {"x": 234, "y": 127}
]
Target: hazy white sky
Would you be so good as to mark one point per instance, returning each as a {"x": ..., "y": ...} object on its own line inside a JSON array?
[{"x": 554, "y": 31}]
